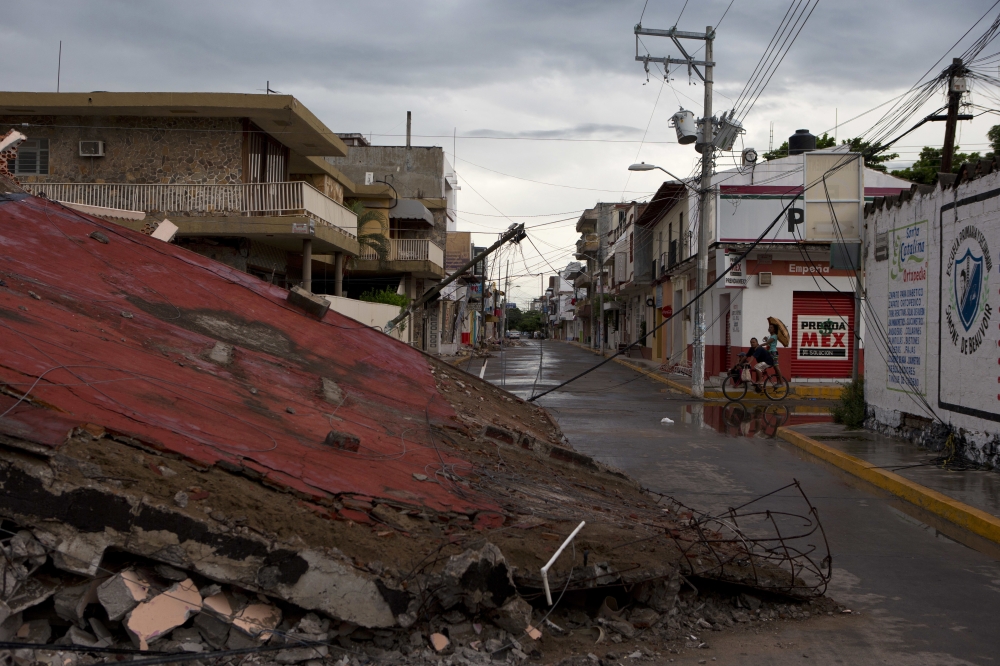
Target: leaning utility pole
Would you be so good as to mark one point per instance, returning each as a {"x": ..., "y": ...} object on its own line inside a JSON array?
[
  {"x": 956, "y": 86},
  {"x": 515, "y": 233},
  {"x": 706, "y": 144}
]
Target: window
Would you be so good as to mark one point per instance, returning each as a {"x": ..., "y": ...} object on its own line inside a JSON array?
[{"x": 32, "y": 157}]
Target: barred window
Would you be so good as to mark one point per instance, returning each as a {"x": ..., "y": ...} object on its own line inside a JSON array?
[{"x": 32, "y": 157}]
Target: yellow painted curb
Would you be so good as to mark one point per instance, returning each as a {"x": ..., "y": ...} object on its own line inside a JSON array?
[
  {"x": 967, "y": 517},
  {"x": 458, "y": 361},
  {"x": 826, "y": 392}
]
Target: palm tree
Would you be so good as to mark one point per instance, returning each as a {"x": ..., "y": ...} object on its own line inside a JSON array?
[{"x": 377, "y": 241}]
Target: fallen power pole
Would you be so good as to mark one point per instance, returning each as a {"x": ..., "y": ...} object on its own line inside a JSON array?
[{"x": 516, "y": 234}]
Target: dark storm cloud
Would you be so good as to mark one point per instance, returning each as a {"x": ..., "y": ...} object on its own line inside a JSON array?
[{"x": 377, "y": 46}]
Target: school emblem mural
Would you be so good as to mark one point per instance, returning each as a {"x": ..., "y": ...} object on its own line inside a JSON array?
[{"x": 969, "y": 311}]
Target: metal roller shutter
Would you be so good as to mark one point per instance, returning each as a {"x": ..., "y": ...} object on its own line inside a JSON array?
[{"x": 813, "y": 354}]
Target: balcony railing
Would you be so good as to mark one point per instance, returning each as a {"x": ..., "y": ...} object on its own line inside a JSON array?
[
  {"x": 295, "y": 198},
  {"x": 409, "y": 249}
]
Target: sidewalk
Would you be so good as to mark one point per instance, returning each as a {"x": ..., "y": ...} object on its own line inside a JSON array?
[
  {"x": 713, "y": 385},
  {"x": 967, "y": 499}
]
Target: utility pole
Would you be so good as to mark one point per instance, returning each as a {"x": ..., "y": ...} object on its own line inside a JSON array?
[
  {"x": 706, "y": 144},
  {"x": 956, "y": 86},
  {"x": 707, "y": 156}
]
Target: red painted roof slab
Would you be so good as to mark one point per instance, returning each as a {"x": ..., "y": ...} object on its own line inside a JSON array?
[{"x": 119, "y": 335}]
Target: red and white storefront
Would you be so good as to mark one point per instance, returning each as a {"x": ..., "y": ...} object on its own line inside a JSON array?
[
  {"x": 815, "y": 302},
  {"x": 788, "y": 275}
]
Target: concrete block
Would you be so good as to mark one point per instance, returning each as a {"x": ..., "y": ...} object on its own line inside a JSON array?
[
  {"x": 299, "y": 654},
  {"x": 514, "y": 616},
  {"x": 81, "y": 553},
  {"x": 214, "y": 631},
  {"x": 153, "y": 618},
  {"x": 72, "y": 602},
  {"x": 311, "y": 303},
  {"x": 9, "y": 627},
  {"x": 165, "y": 231},
  {"x": 78, "y": 636},
  {"x": 122, "y": 592},
  {"x": 35, "y": 631}
]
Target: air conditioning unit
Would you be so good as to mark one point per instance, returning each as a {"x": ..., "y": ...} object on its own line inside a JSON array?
[
  {"x": 91, "y": 149},
  {"x": 764, "y": 279}
]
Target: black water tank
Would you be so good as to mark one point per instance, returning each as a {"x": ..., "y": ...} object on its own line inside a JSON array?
[{"x": 801, "y": 142}]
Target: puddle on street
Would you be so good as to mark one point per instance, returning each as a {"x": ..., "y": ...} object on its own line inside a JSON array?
[{"x": 749, "y": 419}]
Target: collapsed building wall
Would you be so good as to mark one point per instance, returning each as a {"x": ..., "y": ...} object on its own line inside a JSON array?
[{"x": 169, "y": 423}]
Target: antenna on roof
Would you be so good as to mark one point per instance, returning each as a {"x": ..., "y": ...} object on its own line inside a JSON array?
[
  {"x": 59, "y": 67},
  {"x": 267, "y": 89}
]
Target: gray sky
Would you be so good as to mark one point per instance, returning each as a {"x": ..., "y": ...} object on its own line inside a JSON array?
[{"x": 537, "y": 77}]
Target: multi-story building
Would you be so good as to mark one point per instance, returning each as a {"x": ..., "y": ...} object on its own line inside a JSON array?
[
  {"x": 789, "y": 275},
  {"x": 242, "y": 176}
]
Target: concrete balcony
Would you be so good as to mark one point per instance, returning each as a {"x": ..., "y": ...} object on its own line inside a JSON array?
[
  {"x": 587, "y": 246},
  {"x": 279, "y": 214},
  {"x": 418, "y": 256}
]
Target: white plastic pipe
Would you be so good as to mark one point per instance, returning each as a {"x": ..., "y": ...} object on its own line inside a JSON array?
[
  {"x": 482, "y": 370},
  {"x": 555, "y": 556}
]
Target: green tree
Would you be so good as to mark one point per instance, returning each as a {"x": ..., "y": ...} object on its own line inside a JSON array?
[
  {"x": 928, "y": 164},
  {"x": 994, "y": 136},
  {"x": 374, "y": 237},
  {"x": 877, "y": 162},
  {"x": 529, "y": 322}
]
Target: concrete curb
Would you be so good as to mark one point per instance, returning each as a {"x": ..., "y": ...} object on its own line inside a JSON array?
[{"x": 964, "y": 516}]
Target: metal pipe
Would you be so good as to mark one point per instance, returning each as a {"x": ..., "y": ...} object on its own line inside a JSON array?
[
  {"x": 307, "y": 271},
  {"x": 555, "y": 556}
]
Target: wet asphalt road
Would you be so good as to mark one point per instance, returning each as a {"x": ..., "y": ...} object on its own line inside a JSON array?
[{"x": 923, "y": 598}]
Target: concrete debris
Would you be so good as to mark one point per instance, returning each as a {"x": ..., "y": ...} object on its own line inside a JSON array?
[
  {"x": 72, "y": 602},
  {"x": 514, "y": 616},
  {"x": 34, "y": 631},
  {"x": 158, "y": 616},
  {"x": 440, "y": 642},
  {"x": 479, "y": 579},
  {"x": 122, "y": 592},
  {"x": 258, "y": 619}
]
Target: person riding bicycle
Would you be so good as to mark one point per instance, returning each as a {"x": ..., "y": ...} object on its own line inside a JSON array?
[{"x": 762, "y": 358}]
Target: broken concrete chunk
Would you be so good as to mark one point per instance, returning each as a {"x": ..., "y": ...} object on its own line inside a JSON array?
[
  {"x": 212, "y": 629},
  {"x": 161, "y": 614},
  {"x": 77, "y": 636},
  {"x": 313, "y": 624},
  {"x": 80, "y": 554},
  {"x": 342, "y": 441},
  {"x": 122, "y": 592},
  {"x": 35, "y": 631},
  {"x": 30, "y": 593},
  {"x": 181, "y": 499},
  {"x": 331, "y": 392},
  {"x": 514, "y": 616},
  {"x": 296, "y": 655},
  {"x": 72, "y": 602},
  {"x": 643, "y": 618},
  {"x": 24, "y": 545},
  {"x": 170, "y": 573},
  {"x": 238, "y": 640},
  {"x": 258, "y": 620},
  {"x": 479, "y": 578},
  {"x": 221, "y": 353},
  {"x": 10, "y": 627},
  {"x": 314, "y": 305},
  {"x": 101, "y": 631},
  {"x": 622, "y": 627}
]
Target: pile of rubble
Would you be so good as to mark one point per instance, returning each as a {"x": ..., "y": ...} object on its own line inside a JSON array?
[
  {"x": 197, "y": 465},
  {"x": 131, "y": 605}
]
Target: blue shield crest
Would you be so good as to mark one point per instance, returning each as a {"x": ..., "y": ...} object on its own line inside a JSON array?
[{"x": 968, "y": 277}]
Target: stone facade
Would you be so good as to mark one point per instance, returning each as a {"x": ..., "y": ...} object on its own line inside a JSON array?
[
  {"x": 415, "y": 173},
  {"x": 138, "y": 150}
]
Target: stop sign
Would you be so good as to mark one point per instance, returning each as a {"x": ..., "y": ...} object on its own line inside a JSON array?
[{"x": 667, "y": 311}]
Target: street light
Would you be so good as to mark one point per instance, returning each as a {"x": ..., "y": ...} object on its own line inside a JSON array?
[{"x": 642, "y": 166}]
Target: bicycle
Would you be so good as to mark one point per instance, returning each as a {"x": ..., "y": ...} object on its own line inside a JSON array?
[{"x": 741, "y": 377}]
